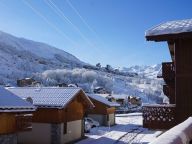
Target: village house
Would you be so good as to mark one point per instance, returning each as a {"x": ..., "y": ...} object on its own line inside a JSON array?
[
  {"x": 133, "y": 100},
  {"x": 177, "y": 74},
  {"x": 15, "y": 116},
  {"x": 121, "y": 99},
  {"x": 100, "y": 90},
  {"x": 27, "y": 82},
  {"x": 59, "y": 116},
  {"x": 104, "y": 110}
]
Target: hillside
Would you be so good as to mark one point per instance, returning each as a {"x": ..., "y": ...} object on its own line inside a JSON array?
[{"x": 20, "y": 58}]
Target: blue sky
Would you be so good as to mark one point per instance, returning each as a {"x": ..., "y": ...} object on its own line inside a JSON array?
[{"x": 105, "y": 31}]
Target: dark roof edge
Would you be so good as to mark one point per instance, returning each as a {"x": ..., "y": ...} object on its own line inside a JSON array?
[{"x": 168, "y": 37}]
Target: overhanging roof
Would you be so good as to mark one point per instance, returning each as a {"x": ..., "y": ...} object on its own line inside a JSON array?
[{"x": 170, "y": 30}]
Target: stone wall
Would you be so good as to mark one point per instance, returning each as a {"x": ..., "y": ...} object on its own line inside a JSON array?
[{"x": 8, "y": 139}]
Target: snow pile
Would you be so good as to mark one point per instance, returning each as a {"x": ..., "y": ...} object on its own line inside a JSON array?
[{"x": 180, "y": 134}]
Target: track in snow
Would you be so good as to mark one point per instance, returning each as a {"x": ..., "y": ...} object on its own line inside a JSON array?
[{"x": 130, "y": 136}]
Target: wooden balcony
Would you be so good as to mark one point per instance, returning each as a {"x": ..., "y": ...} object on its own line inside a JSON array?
[
  {"x": 168, "y": 72},
  {"x": 159, "y": 116},
  {"x": 24, "y": 122}
]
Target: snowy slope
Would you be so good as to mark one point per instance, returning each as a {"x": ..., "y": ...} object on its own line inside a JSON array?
[
  {"x": 20, "y": 58},
  {"x": 40, "y": 49}
]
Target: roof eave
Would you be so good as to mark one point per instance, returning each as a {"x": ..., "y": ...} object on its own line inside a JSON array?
[{"x": 169, "y": 37}]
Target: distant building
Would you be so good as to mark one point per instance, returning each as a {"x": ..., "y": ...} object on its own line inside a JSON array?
[
  {"x": 133, "y": 100},
  {"x": 15, "y": 116},
  {"x": 59, "y": 115},
  {"x": 120, "y": 99},
  {"x": 27, "y": 82},
  {"x": 100, "y": 90},
  {"x": 104, "y": 110},
  {"x": 62, "y": 85}
]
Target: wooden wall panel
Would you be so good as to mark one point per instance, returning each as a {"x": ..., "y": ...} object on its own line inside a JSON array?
[
  {"x": 183, "y": 84},
  {"x": 75, "y": 110},
  {"x": 7, "y": 123},
  {"x": 99, "y": 108},
  {"x": 48, "y": 115},
  {"x": 111, "y": 110}
]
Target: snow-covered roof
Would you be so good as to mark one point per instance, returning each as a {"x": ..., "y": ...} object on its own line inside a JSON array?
[
  {"x": 119, "y": 96},
  {"x": 9, "y": 102},
  {"x": 53, "y": 97},
  {"x": 103, "y": 100},
  {"x": 116, "y": 96},
  {"x": 171, "y": 27}
]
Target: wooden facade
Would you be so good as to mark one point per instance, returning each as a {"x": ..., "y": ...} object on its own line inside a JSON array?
[
  {"x": 58, "y": 117},
  {"x": 101, "y": 108},
  {"x": 183, "y": 78},
  {"x": 104, "y": 110},
  {"x": 7, "y": 123},
  {"x": 178, "y": 77},
  {"x": 178, "y": 73},
  {"x": 15, "y": 122},
  {"x": 73, "y": 111}
]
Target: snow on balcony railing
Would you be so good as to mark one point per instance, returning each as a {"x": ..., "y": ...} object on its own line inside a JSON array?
[{"x": 158, "y": 116}]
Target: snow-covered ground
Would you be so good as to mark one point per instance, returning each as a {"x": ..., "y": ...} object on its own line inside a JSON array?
[{"x": 128, "y": 129}]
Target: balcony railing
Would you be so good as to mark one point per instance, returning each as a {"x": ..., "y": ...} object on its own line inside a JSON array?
[
  {"x": 24, "y": 122},
  {"x": 168, "y": 71},
  {"x": 159, "y": 116}
]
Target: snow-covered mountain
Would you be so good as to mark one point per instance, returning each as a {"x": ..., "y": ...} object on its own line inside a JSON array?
[
  {"x": 20, "y": 58},
  {"x": 145, "y": 71}
]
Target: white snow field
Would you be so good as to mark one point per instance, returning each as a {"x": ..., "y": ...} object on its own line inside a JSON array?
[{"x": 128, "y": 129}]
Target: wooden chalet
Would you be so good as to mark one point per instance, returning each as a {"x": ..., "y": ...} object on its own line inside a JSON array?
[
  {"x": 177, "y": 74},
  {"x": 15, "y": 116},
  {"x": 104, "y": 110},
  {"x": 59, "y": 115}
]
